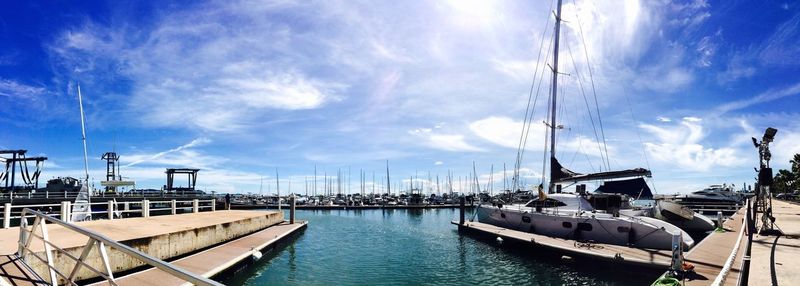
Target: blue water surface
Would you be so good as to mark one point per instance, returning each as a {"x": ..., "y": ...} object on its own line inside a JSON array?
[{"x": 415, "y": 247}]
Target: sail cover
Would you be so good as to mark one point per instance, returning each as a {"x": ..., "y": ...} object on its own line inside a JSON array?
[
  {"x": 81, "y": 209},
  {"x": 636, "y": 188},
  {"x": 559, "y": 174}
]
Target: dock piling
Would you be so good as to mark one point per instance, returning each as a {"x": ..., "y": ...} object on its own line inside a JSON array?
[
  {"x": 461, "y": 211},
  {"x": 195, "y": 206},
  {"x": 173, "y": 206},
  {"x": 291, "y": 210}
]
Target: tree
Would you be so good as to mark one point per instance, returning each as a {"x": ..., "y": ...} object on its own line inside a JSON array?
[{"x": 788, "y": 181}]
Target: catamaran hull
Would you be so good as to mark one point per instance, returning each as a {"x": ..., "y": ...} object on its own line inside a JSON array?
[{"x": 601, "y": 228}]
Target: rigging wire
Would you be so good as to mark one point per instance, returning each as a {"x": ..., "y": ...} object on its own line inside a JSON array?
[
  {"x": 588, "y": 109},
  {"x": 639, "y": 134},
  {"x": 591, "y": 78},
  {"x": 523, "y": 135}
]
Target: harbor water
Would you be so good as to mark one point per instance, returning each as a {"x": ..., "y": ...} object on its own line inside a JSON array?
[{"x": 414, "y": 247}]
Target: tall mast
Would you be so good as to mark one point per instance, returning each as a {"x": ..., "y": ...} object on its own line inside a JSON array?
[
  {"x": 388, "y": 183},
  {"x": 83, "y": 133},
  {"x": 554, "y": 96}
]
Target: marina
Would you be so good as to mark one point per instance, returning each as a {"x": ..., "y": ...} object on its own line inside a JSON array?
[{"x": 418, "y": 143}]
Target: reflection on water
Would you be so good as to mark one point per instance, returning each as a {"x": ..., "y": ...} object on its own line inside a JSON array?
[{"x": 411, "y": 247}]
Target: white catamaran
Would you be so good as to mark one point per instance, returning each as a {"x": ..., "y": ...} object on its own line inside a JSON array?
[{"x": 571, "y": 216}]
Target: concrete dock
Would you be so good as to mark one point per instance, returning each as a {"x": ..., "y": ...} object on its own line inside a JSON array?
[
  {"x": 213, "y": 241},
  {"x": 212, "y": 261},
  {"x": 773, "y": 257}
]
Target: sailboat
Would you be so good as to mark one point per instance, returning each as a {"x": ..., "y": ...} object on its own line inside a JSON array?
[{"x": 571, "y": 216}]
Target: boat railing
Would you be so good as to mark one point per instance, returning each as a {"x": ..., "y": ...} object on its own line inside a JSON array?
[
  {"x": 59, "y": 275},
  {"x": 13, "y": 214}
]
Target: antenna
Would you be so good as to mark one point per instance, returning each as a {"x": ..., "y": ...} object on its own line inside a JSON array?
[{"x": 83, "y": 133}]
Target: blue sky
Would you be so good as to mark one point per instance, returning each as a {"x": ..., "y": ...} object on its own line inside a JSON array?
[{"x": 239, "y": 88}]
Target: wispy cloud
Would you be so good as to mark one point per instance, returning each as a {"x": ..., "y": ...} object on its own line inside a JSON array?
[
  {"x": 136, "y": 159},
  {"x": 767, "y": 96}
]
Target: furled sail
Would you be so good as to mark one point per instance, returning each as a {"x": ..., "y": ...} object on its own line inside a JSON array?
[
  {"x": 636, "y": 188},
  {"x": 81, "y": 209},
  {"x": 559, "y": 174}
]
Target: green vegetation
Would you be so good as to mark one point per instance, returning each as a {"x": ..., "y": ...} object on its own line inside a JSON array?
[{"x": 787, "y": 181}]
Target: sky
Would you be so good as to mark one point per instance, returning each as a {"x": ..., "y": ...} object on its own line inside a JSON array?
[{"x": 243, "y": 89}]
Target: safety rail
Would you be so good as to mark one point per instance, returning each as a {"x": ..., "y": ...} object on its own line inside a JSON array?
[
  {"x": 112, "y": 209},
  {"x": 95, "y": 240}
]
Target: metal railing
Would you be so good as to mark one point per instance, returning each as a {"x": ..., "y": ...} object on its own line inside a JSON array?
[
  {"x": 112, "y": 209},
  {"x": 95, "y": 240}
]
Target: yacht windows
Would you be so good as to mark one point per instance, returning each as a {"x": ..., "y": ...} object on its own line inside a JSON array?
[
  {"x": 547, "y": 203},
  {"x": 584, "y": 226},
  {"x": 566, "y": 224},
  {"x": 623, "y": 229}
]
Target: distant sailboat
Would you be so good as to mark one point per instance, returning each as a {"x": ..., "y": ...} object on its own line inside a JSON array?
[{"x": 82, "y": 208}]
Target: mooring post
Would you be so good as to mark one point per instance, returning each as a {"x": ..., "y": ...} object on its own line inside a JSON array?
[
  {"x": 461, "y": 210},
  {"x": 195, "y": 206},
  {"x": 146, "y": 208},
  {"x": 291, "y": 210},
  {"x": 65, "y": 211},
  {"x": 110, "y": 210},
  {"x": 173, "y": 206},
  {"x": 7, "y": 215}
]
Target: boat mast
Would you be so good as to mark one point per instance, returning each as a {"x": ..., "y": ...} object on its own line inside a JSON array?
[
  {"x": 83, "y": 133},
  {"x": 554, "y": 96}
]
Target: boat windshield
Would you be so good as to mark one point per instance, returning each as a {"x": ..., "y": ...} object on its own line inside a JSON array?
[{"x": 547, "y": 203}]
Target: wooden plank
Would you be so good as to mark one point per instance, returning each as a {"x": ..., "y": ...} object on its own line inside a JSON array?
[
  {"x": 709, "y": 256},
  {"x": 215, "y": 260},
  {"x": 14, "y": 272},
  {"x": 651, "y": 258}
]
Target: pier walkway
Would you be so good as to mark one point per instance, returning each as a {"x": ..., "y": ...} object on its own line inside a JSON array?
[
  {"x": 214, "y": 260},
  {"x": 773, "y": 257},
  {"x": 208, "y": 242},
  {"x": 710, "y": 255}
]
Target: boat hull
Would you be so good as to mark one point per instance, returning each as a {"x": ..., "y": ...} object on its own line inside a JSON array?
[{"x": 583, "y": 226}]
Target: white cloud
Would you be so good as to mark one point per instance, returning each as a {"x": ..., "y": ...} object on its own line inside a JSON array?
[
  {"x": 186, "y": 156},
  {"x": 446, "y": 142},
  {"x": 767, "y": 96},
  {"x": 500, "y": 130},
  {"x": 663, "y": 119},
  {"x": 682, "y": 145},
  {"x": 14, "y": 89},
  {"x": 438, "y": 163}
]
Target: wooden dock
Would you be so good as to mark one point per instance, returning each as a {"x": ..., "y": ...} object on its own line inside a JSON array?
[
  {"x": 649, "y": 258},
  {"x": 710, "y": 255}
]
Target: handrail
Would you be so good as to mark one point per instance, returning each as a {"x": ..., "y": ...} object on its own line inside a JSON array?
[{"x": 103, "y": 240}]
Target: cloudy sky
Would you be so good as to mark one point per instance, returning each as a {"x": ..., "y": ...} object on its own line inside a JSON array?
[{"x": 240, "y": 88}]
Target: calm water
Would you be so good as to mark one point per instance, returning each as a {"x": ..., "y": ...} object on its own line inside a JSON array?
[{"x": 413, "y": 247}]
